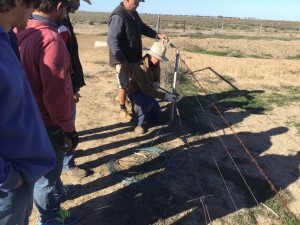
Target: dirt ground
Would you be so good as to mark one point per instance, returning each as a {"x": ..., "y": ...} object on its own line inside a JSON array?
[{"x": 212, "y": 180}]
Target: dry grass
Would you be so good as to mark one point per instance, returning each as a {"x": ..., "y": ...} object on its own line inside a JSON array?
[{"x": 204, "y": 25}]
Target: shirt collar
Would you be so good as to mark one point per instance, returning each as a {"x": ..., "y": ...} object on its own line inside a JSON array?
[{"x": 41, "y": 18}]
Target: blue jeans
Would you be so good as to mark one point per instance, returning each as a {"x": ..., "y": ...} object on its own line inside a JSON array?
[
  {"x": 147, "y": 108},
  {"x": 48, "y": 188},
  {"x": 16, "y": 205},
  {"x": 69, "y": 162}
]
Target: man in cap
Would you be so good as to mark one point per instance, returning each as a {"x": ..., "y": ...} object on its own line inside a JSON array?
[
  {"x": 125, "y": 44},
  {"x": 26, "y": 152},
  {"x": 144, "y": 84},
  {"x": 46, "y": 61},
  {"x": 66, "y": 31}
]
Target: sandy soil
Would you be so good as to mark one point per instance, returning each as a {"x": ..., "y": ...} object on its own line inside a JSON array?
[{"x": 194, "y": 185}]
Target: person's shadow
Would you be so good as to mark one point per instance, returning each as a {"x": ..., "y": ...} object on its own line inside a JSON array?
[
  {"x": 192, "y": 185},
  {"x": 173, "y": 195}
]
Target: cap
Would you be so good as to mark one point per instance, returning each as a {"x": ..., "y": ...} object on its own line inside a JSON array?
[
  {"x": 57, "y": 1},
  {"x": 158, "y": 50},
  {"x": 73, "y": 4},
  {"x": 88, "y": 1},
  {"x": 67, "y": 2}
]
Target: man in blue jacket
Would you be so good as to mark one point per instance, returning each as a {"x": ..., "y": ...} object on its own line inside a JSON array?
[{"x": 25, "y": 151}]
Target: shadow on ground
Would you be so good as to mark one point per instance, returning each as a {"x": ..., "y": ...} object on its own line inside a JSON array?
[
  {"x": 188, "y": 186},
  {"x": 199, "y": 178}
]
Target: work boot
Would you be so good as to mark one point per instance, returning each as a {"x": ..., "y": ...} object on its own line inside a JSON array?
[
  {"x": 77, "y": 172},
  {"x": 127, "y": 102},
  {"x": 139, "y": 130},
  {"x": 125, "y": 115}
]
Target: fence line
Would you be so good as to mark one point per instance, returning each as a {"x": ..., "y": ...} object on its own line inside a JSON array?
[{"x": 260, "y": 30}]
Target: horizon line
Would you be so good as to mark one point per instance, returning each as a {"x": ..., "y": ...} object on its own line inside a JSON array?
[{"x": 186, "y": 15}]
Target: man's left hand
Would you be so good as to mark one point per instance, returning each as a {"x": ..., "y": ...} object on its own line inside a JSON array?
[{"x": 155, "y": 84}]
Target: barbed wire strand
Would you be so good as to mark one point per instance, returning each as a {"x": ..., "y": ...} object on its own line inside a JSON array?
[
  {"x": 202, "y": 199},
  {"x": 272, "y": 186},
  {"x": 192, "y": 163},
  {"x": 224, "y": 181}
]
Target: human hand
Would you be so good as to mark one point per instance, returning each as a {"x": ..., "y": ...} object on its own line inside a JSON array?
[
  {"x": 126, "y": 66},
  {"x": 76, "y": 97},
  {"x": 171, "y": 97},
  {"x": 155, "y": 84},
  {"x": 71, "y": 140},
  {"x": 20, "y": 180},
  {"x": 163, "y": 36}
]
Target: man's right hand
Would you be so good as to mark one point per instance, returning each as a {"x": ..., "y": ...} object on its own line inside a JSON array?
[
  {"x": 72, "y": 140},
  {"x": 163, "y": 36},
  {"x": 76, "y": 97},
  {"x": 126, "y": 66},
  {"x": 171, "y": 97},
  {"x": 20, "y": 180}
]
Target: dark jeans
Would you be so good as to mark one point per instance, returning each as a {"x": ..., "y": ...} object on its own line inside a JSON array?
[
  {"x": 69, "y": 162},
  {"x": 147, "y": 108},
  {"x": 48, "y": 188}
]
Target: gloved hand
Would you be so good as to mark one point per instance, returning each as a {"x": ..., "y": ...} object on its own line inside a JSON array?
[
  {"x": 155, "y": 84},
  {"x": 76, "y": 97},
  {"x": 171, "y": 97},
  {"x": 71, "y": 140}
]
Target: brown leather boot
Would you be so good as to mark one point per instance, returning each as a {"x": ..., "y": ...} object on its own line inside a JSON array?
[
  {"x": 139, "y": 130},
  {"x": 125, "y": 115}
]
